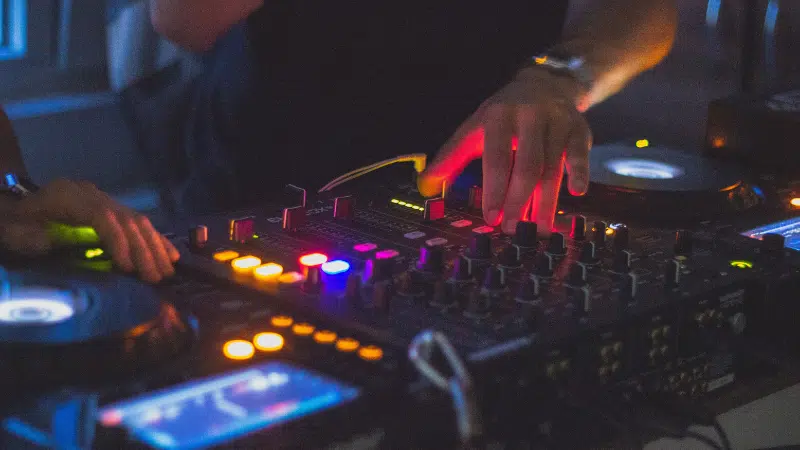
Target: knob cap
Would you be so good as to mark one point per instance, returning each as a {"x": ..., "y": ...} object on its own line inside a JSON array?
[
  {"x": 577, "y": 275},
  {"x": 556, "y": 246},
  {"x": 683, "y": 243},
  {"x": 622, "y": 261},
  {"x": 588, "y": 253},
  {"x": 525, "y": 235},
  {"x": 382, "y": 293},
  {"x": 313, "y": 278},
  {"x": 672, "y": 274},
  {"x": 621, "y": 238},
  {"x": 530, "y": 289},
  {"x": 582, "y": 301},
  {"x": 461, "y": 270},
  {"x": 544, "y": 265},
  {"x": 443, "y": 294},
  {"x": 478, "y": 304},
  {"x": 198, "y": 237},
  {"x": 494, "y": 279},
  {"x": 599, "y": 234},
  {"x": 772, "y": 244},
  {"x": 509, "y": 256},
  {"x": 480, "y": 246},
  {"x": 431, "y": 259},
  {"x": 578, "y": 232},
  {"x": 379, "y": 269}
]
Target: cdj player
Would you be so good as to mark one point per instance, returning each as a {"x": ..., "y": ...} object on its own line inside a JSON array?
[{"x": 370, "y": 317}]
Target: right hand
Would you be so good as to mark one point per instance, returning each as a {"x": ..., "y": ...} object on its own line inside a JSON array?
[{"x": 130, "y": 237}]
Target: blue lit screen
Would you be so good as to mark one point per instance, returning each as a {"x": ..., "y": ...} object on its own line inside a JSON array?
[
  {"x": 643, "y": 168},
  {"x": 790, "y": 229},
  {"x": 209, "y": 412}
]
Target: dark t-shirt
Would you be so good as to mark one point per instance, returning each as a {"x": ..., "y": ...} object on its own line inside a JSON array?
[{"x": 304, "y": 91}]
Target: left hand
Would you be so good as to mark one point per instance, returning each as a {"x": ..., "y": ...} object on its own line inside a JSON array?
[{"x": 525, "y": 132}]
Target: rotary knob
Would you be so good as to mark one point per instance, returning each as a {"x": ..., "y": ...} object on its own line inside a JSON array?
[
  {"x": 509, "y": 256},
  {"x": 578, "y": 232},
  {"x": 480, "y": 246},
  {"x": 621, "y": 238},
  {"x": 577, "y": 275},
  {"x": 530, "y": 289},
  {"x": 621, "y": 262},
  {"x": 672, "y": 274},
  {"x": 431, "y": 259},
  {"x": 198, "y": 237},
  {"x": 588, "y": 253},
  {"x": 544, "y": 265},
  {"x": 461, "y": 270},
  {"x": 683, "y": 243},
  {"x": 525, "y": 235},
  {"x": 599, "y": 234},
  {"x": 556, "y": 245},
  {"x": 494, "y": 279}
]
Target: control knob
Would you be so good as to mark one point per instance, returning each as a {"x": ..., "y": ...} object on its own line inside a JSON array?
[
  {"x": 672, "y": 274},
  {"x": 588, "y": 253},
  {"x": 683, "y": 243},
  {"x": 621, "y": 238},
  {"x": 544, "y": 265},
  {"x": 313, "y": 278},
  {"x": 480, "y": 246},
  {"x": 494, "y": 280},
  {"x": 621, "y": 262},
  {"x": 198, "y": 237},
  {"x": 431, "y": 259},
  {"x": 509, "y": 256},
  {"x": 599, "y": 234},
  {"x": 556, "y": 245},
  {"x": 530, "y": 289},
  {"x": 444, "y": 294},
  {"x": 525, "y": 235},
  {"x": 627, "y": 291},
  {"x": 577, "y": 275},
  {"x": 578, "y": 232},
  {"x": 479, "y": 304}
]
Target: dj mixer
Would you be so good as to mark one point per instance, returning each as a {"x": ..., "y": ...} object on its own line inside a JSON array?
[{"x": 308, "y": 322}]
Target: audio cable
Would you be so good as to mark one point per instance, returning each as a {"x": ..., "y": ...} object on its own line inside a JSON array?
[
  {"x": 459, "y": 386},
  {"x": 419, "y": 160}
]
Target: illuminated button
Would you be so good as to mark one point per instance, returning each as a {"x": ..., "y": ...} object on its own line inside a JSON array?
[
  {"x": 387, "y": 254},
  {"x": 795, "y": 202},
  {"x": 268, "y": 272},
  {"x": 742, "y": 264},
  {"x": 281, "y": 321},
  {"x": 414, "y": 235},
  {"x": 245, "y": 264},
  {"x": 325, "y": 337},
  {"x": 93, "y": 253},
  {"x": 268, "y": 342},
  {"x": 225, "y": 255},
  {"x": 365, "y": 247},
  {"x": 370, "y": 353},
  {"x": 238, "y": 350},
  {"x": 313, "y": 259},
  {"x": 642, "y": 143},
  {"x": 347, "y": 345},
  {"x": 291, "y": 278},
  {"x": 435, "y": 242},
  {"x": 483, "y": 230},
  {"x": 303, "y": 329},
  {"x": 461, "y": 223},
  {"x": 335, "y": 267}
]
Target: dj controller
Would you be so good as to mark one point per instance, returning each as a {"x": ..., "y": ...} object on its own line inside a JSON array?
[{"x": 371, "y": 317}]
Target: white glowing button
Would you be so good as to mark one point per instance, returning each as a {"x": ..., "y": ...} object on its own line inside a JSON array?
[
  {"x": 461, "y": 223},
  {"x": 483, "y": 230},
  {"x": 644, "y": 168},
  {"x": 435, "y": 242},
  {"x": 43, "y": 307},
  {"x": 335, "y": 267},
  {"x": 414, "y": 235}
]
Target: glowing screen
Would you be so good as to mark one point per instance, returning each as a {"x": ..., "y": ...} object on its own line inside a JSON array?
[
  {"x": 209, "y": 412},
  {"x": 644, "y": 168},
  {"x": 790, "y": 229}
]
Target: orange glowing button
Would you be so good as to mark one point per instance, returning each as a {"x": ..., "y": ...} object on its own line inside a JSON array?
[
  {"x": 609, "y": 231},
  {"x": 268, "y": 342},
  {"x": 795, "y": 202},
  {"x": 303, "y": 329},
  {"x": 225, "y": 255},
  {"x": 268, "y": 272},
  {"x": 718, "y": 142},
  {"x": 325, "y": 337},
  {"x": 370, "y": 353},
  {"x": 560, "y": 212},
  {"x": 313, "y": 259},
  {"x": 238, "y": 350},
  {"x": 245, "y": 264},
  {"x": 291, "y": 278},
  {"x": 347, "y": 345},
  {"x": 282, "y": 321}
]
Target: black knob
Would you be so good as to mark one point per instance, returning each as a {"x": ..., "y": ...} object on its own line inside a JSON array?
[
  {"x": 627, "y": 291},
  {"x": 772, "y": 245},
  {"x": 494, "y": 279},
  {"x": 621, "y": 238},
  {"x": 588, "y": 253},
  {"x": 461, "y": 269},
  {"x": 582, "y": 301},
  {"x": 599, "y": 234},
  {"x": 556, "y": 246},
  {"x": 525, "y": 235},
  {"x": 621, "y": 262},
  {"x": 478, "y": 304},
  {"x": 578, "y": 232},
  {"x": 431, "y": 259},
  {"x": 443, "y": 294},
  {"x": 577, "y": 275},
  {"x": 544, "y": 265},
  {"x": 313, "y": 278},
  {"x": 198, "y": 237},
  {"x": 683, "y": 243},
  {"x": 382, "y": 293},
  {"x": 379, "y": 269},
  {"x": 480, "y": 246},
  {"x": 672, "y": 274},
  {"x": 352, "y": 290},
  {"x": 530, "y": 289},
  {"x": 509, "y": 256}
]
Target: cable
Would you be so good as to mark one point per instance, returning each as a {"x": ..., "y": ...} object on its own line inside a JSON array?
[
  {"x": 723, "y": 436},
  {"x": 419, "y": 160},
  {"x": 459, "y": 386}
]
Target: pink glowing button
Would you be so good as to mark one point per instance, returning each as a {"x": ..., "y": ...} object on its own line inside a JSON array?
[
  {"x": 386, "y": 254},
  {"x": 483, "y": 230},
  {"x": 461, "y": 223},
  {"x": 365, "y": 247}
]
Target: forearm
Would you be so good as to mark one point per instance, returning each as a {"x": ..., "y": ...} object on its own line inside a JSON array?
[
  {"x": 618, "y": 39},
  {"x": 10, "y": 153},
  {"x": 197, "y": 24}
]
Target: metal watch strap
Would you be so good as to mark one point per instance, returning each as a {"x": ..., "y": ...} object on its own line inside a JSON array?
[{"x": 572, "y": 66}]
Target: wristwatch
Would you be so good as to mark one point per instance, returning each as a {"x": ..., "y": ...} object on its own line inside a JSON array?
[
  {"x": 563, "y": 64},
  {"x": 17, "y": 186}
]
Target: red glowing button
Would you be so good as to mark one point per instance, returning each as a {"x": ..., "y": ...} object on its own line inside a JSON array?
[{"x": 313, "y": 259}]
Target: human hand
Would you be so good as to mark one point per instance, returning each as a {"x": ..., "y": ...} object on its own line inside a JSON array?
[
  {"x": 130, "y": 237},
  {"x": 525, "y": 132}
]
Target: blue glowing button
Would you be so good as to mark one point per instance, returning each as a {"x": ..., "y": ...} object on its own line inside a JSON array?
[
  {"x": 644, "y": 168},
  {"x": 218, "y": 410},
  {"x": 335, "y": 267}
]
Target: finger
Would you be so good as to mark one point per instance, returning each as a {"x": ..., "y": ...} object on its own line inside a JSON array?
[
  {"x": 465, "y": 146},
  {"x": 545, "y": 196},
  {"x": 172, "y": 251},
  {"x": 156, "y": 245},
  {"x": 140, "y": 250},
  {"x": 527, "y": 171},
  {"x": 497, "y": 160},
  {"x": 578, "y": 146}
]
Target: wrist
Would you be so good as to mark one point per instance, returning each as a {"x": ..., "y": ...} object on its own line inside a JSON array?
[{"x": 566, "y": 85}]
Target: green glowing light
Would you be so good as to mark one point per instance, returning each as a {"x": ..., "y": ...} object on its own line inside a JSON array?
[
  {"x": 742, "y": 264},
  {"x": 93, "y": 253},
  {"x": 62, "y": 234},
  {"x": 642, "y": 143}
]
